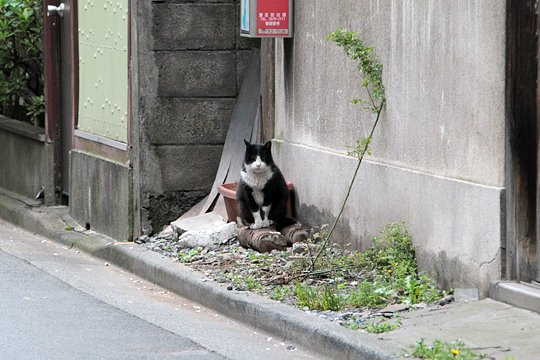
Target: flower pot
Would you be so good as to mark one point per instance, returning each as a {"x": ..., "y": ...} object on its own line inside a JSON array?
[{"x": 228, "y": 191}]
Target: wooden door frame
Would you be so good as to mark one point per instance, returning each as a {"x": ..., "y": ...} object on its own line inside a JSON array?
[
  {"x": 54, "y": 95},
  {"x": 51, "y": 50},
  {"x": 521, "y": 140}
]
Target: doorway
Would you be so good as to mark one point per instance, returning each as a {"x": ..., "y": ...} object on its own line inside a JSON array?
[{"x": 522, "y": 104}]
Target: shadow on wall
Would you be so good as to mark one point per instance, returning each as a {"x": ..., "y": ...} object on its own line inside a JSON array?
[{"x": 311, "y": 216}]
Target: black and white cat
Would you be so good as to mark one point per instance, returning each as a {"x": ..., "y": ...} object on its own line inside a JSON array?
[{"x": 262, "y": 192}]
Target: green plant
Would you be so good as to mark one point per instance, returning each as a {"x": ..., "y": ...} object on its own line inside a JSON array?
[
  {"x": 353, "y": 325},
  {"x": 367, "y": 293},
  {"x": 392, "y": 272},
  {"x": 381, "y": 326},
  {"x": 190, "y": 256},
  {"x": 21, "y": 60},
  {"x": 419, "y": 288},
  {"x": 279, "y": 293},
  {"x": 444, "y": 350},
  {"x": 370, "y": 68},
  {"x": 318, "y": 298},
  {"x": 252, "y": 283}
]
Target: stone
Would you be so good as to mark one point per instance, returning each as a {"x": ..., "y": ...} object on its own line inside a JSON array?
[
  {"x": 299, "y": 248},
  {"x": 209, "y": 236},
  {"x": 462, "y": 295},
  {"x": 197, "y": 223},
  {"x": 394, "y": 308},
  {"x": 446, "y": 300}
]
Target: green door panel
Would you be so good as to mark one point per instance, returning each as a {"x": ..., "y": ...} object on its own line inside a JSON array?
[{"x": 103, "y": 68}]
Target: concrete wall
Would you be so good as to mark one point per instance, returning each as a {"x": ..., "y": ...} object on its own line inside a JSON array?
[
  {"x": 100, "y": 194},
  {"x": 438, "y": 153},
  {"x": 22, "y": 172},
  {"x": 188, "y": 69}
]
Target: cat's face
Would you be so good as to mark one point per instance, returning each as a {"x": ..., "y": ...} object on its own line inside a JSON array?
[{"x": 258, "y": 157}]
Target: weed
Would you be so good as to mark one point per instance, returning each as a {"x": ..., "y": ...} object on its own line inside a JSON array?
[
  {"x": 190, "y": 256},
  {"x": 444, "y": 350},
  {"x": 279, "y": 293},
  {"x": 381, "y": 326},
  {"x": 353, "y": 325},
  {"x": 318, "y": 298},
  {"x": 367, "y": 293},
  {"x": 392, "y": 264},
  {"x": 388, "y": 274},
  {"x": 370, "y": 68},
  {"x": 252, "y": 283}
]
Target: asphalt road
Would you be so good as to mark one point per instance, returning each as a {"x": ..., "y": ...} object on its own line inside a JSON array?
[{"x": 58, "y": 303}]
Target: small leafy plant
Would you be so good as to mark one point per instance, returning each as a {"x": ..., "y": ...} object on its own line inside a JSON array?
[
  {"x": 388, "y": 271},
  {"x": 444, "y": 350},
  {"x": 318, "y": 298},
  {"x": 381, "y": 326},
  {"x": 370, "y": 69},
  {"x": 190, "y": 256}
]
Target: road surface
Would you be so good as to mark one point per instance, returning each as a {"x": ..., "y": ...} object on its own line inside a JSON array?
[{"x": 59, "y": 303}]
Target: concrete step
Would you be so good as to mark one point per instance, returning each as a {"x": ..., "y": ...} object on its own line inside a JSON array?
[{"x": 519, "y": 294}]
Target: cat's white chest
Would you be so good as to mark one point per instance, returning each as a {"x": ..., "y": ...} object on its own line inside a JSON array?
[
  {"x": 258, "y": 196},
  {"x": 257, "y": 182}
]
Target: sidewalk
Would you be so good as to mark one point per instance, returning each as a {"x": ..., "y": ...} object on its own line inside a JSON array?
[{"x": 490, "y": 327}]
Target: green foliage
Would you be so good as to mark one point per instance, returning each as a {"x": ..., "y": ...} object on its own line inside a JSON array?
[
  {"x": 392, "y": 250},
  {"x": 190, "y": 256},
  {"x": 21, "y": 60},
  {"x": 318, "y": 298},
  {"x": 368, "y": 65},
  {"x": 388, "y": 274},
  {"x": 368, "y": 293},
  {"x": 251, "y": 283},
  {"x": 443, "y": 350},
  {"x": 361, "y": 148},
  {"x": 370, "y": 69},
  {"x": 394, "y": 276},
  {"x": 279, "y": 293},
  {"x": 381, "y": 326}
]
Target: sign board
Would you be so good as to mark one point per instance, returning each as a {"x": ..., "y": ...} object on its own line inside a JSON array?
[{"x": 266, "y": 18}]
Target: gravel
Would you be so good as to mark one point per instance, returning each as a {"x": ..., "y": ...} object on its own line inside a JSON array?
[{"x": 246, "y": 270}]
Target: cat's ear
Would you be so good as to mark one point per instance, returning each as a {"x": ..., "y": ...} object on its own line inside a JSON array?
[
  {"x": 247, "y": 143},
  {"x": 268, "y": 145}
]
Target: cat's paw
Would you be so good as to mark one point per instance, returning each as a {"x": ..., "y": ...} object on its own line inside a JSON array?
[
  {"x": 266, "y": 223},
  {"x": 256, "y": 225}
]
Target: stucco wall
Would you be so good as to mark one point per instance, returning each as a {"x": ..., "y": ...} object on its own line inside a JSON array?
[{"x": 438, "y": 153}]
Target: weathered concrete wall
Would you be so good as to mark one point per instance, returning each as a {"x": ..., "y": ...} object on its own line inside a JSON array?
[
  {"x": 438, "y": 153},
  {"x": 188, "y": 70},
  {"x": 100, "y": 195},
  {"x": 22, "y": 164}
]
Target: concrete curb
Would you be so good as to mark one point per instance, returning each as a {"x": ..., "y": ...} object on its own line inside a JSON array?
[{"x": 282, "y": 320}]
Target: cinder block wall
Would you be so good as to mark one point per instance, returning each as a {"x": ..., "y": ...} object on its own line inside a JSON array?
[
  {"x": 188, "y": 66},
  {"x": 438, "y": 153}
]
